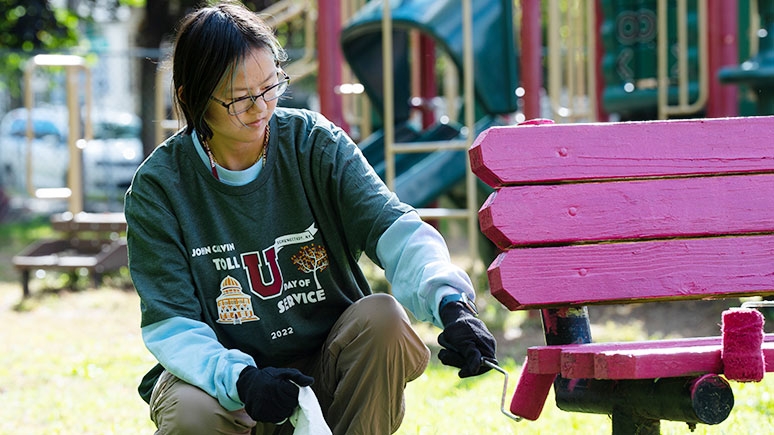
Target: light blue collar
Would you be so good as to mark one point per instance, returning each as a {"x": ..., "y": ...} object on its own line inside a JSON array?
[{"x": 232, "y": 178}]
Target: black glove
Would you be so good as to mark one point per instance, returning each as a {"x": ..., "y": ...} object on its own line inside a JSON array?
[
  {"x": 466, "y": 340},
  {"x": 268, "y": 394}
]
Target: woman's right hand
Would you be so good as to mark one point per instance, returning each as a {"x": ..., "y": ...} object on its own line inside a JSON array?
[{"x": 270, "y": 394}]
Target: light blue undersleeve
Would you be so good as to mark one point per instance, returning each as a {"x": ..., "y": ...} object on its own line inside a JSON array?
[
  {"x": 190, "y": 350},
  {"x": 227, "y": 176},
  {"x": 417, "y": 264}
]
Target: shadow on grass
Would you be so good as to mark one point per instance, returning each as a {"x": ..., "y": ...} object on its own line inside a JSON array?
[{"x": 54, "y": 285}]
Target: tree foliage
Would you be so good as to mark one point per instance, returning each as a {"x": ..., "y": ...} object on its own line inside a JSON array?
[
  {"x": 28, "y": 27},
  {"x": 32, "y": 25}
]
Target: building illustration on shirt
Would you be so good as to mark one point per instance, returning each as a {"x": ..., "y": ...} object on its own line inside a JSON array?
[{"x": 234, "y": 306}]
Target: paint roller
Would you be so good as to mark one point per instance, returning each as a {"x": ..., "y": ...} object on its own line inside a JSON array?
[
  {"x": 742, "y": 340},
  {"x": 530, "y": 394}
]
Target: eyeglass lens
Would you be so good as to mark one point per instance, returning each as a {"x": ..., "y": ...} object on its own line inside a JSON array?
[{"x": 271, "y": 94}]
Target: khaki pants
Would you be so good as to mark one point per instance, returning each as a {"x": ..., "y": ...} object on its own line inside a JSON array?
[{"x": 360, "y": 374}]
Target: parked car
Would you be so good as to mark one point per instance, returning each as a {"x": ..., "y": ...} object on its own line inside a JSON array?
[
  {"x": 49, "y": 149},
  {"x": 109, "y": 159}
]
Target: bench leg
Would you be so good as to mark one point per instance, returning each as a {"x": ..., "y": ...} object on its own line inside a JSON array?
[
  {"x": 625, "y": 423},
  {"x": 25, "y": 282},
  {"x": 96, "y": 279},
  {"x": 638, "y": 404},
  {"x": 566, "y": 325}
]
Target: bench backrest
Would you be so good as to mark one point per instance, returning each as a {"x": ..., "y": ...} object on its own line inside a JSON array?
[{"x": 636, "y": 211}]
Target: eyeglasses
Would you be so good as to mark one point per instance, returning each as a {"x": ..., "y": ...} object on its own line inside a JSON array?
[{"x": 243, "y": 104}]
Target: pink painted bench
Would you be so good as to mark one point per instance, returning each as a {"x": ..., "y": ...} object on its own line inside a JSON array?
[{"x": 617, "y": 213}]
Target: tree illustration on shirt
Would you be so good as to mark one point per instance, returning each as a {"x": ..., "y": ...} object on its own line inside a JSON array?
[{"x": 311, "y": 259}]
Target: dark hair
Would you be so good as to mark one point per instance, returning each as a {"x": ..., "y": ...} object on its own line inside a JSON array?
[{"x": 210, "y": 43}]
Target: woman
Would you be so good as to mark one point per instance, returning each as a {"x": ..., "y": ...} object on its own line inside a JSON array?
[{"x": 245, "y": 230}]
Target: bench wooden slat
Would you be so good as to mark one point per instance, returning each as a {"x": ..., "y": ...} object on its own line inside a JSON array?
[
  {"x": 548, "y": 359},
  {"x": 626, "y": 272},
  {"x": 658, "y": 208},
  {"x": 669, "y": 362},
  {"x": 658, "y": 363},
  {"x": 636, "y": 360},
  {"x": 98, "y": 222},
  {"x": 559, "y": 152}
]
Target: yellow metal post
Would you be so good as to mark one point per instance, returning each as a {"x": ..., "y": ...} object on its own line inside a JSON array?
[
  {"x": 684, "y": 106},
  {"x": 72, "y": 65},
  {"x": 470, "y": 212},
  {"x": 389, "y": 103}
]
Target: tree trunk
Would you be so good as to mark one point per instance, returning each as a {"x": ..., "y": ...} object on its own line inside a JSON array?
[{"x": 157, "y": 24}]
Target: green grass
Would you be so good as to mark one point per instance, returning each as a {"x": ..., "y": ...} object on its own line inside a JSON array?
[
  {"x": 15, "y": 236},
  {"x": 71, "y": 362}
]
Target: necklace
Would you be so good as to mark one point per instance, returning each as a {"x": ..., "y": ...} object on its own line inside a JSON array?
[{"x": 262, "y": 156}]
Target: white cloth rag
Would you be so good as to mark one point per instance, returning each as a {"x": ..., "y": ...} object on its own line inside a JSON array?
[{"x": 308, "y": 417}]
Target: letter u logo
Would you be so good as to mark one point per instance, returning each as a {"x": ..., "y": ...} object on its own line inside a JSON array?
[{"x": 263, "y": 273}]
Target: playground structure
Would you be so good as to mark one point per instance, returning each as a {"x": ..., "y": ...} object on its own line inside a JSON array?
[
  {"x": 757, "y": 71},
  {"x": 73, "y": 191},
  {"x": 602, "y": 58}
]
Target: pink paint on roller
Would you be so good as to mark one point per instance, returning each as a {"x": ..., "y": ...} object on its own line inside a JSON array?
[
  {"x": 531, "y": 393},
  {"x": 537, "y": 121},
  {"x": 742, "y": 338}
]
